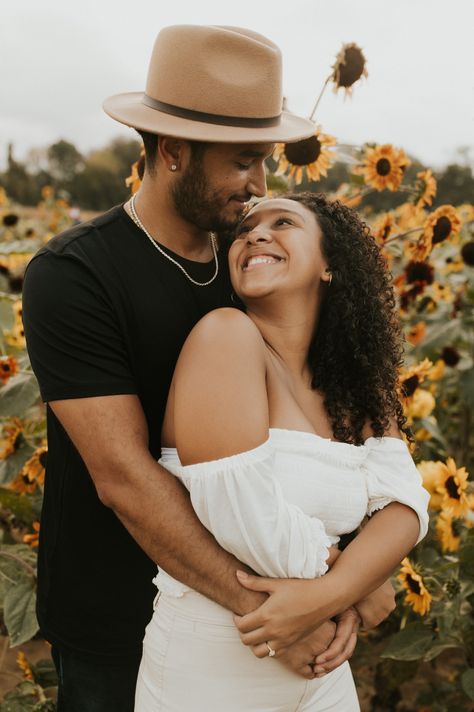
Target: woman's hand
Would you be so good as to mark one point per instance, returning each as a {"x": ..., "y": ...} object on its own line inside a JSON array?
[
  {"x": 377, "y": 606},
  {"x": 293, "y": 609}
]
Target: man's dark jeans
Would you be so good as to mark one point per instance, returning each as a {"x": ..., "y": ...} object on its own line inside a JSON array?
[{"x": 92, "y": 684}]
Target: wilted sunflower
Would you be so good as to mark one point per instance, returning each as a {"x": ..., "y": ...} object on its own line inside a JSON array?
[
  {"x": 448, "y": 529},
  {"x": 383, "y": 167},
  {"x": 8, "y": 368},
  {"x": 425, "y": 188},
  {"x": 309, "y": 155},
  {"x": 452, "y": 486},
  {"x": 442, "y": 224},
  {"x": 349, "y": 67},
  {"x": 417, "y": 596},
  {"x": 11, "y": 434},
  {"x": 32, "y": 473}
]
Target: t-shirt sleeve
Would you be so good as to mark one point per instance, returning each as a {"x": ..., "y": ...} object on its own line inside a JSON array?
[{"x": 75, "y": 344}]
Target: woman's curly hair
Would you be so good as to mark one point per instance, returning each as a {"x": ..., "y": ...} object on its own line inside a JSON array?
[{"x": 357, "y": 349}]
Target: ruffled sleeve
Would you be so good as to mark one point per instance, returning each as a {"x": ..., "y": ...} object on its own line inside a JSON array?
[
  {"x": 393, "y": 477},
  {"x": 239, "y": 500}
]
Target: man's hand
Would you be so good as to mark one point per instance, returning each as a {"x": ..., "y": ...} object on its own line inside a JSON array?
[
  {"x": 343, "y": 644},
  {"x": 377, "y": 606},
  {"x": 300, "y": 656}
]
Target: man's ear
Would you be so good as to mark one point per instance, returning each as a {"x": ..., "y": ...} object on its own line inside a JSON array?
[{"x": 172, "y": 152}]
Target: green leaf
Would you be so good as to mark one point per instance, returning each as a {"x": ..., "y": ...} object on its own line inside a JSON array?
[
  {"x": 24, "y": 508},
  {"x": 467, "y": 682},
  {"x": 466, "y": 386},
  {"x": 19, "y": 247},
  {"x": 411, "y": 643},
  {"x": 466, "y": 558},
  {"x": 440, "y": 647},
  {"x": 19, "y": 611},
  {"x": 442, "y": 335},
  {"x": 20, "y": 393}
]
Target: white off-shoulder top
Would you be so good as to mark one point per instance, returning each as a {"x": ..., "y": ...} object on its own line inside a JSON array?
[{"x": 280, "y": 506}]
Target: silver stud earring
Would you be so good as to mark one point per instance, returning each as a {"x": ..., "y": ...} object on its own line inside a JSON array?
[{"x": 174, "y": 167}]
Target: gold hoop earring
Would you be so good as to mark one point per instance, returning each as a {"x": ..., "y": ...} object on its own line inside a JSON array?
[{"x": 330, "y": 279}]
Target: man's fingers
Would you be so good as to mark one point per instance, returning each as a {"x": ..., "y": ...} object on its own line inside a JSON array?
[
  {"x": 332, "y": 664},
  {"x": 345, "y": 628}
]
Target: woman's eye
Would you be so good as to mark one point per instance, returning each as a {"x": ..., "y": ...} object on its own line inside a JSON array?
[{"x": 283, "y": 221}]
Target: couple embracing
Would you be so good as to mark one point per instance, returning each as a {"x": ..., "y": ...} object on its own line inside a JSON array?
[{"x": 220, "y": 382}]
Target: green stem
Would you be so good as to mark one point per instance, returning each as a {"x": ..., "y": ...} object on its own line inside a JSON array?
[
  {"x": 403, "y": 234},
  {"x": 320, "y": 97},
  {"x": 30, "y": 570}
]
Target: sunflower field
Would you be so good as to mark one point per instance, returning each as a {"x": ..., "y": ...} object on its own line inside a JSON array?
[{"x": 421, "y": 659}]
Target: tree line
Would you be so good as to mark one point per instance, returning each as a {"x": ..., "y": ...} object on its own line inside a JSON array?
[{"x": 96, "y": 180}]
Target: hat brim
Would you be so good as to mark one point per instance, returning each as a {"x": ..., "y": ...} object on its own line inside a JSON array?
[{"x": 128, "y": 109}]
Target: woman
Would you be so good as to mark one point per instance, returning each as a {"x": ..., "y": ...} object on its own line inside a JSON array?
[{"x": 285, "y": 425}]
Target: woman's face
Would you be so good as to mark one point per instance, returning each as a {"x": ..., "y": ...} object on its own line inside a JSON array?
[{"x": 277, "y": 249}]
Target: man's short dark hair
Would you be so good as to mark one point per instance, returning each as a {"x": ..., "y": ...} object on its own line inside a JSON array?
[{"x": 150, "y": 143}]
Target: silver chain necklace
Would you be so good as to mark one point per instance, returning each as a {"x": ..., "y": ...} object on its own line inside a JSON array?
[{"x": 139, "y": 224}]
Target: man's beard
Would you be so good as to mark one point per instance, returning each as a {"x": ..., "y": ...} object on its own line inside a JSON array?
[{"x": 198, "y": 204}]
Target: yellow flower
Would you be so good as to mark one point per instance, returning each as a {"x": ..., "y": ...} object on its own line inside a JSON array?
[
  {"x": 16, "y": 337},
  {"x": 310, "y": 155},
  {"x": 134, "y": 180},
  {"x": 24, "y": 666},
  {"x": 441, "y": 293},
  {"x": 421, "y": 405},
  {"x": 47, "y": 192},
  {"x": 442, "y": 224},
  {"x": 350, "y": 66},
  {"x": 32, "y": 473},
  {"x": 431, "y": 474},
  {"x": 417, "y": 596},
  {"x": 417, "y": 333},
  {"x": 11, "y": 434},
  {"x": 346, "y": 195},
  {"x": 437, "y": 371},
  {"x": 422, "y": 435},
  {"x": 426, "y": 188},
  {"x": 420, "y": 249},
  {"x": 383, "y": 167},
  {"x": 448, "y": 531},
  {"x": 452, "y": 486},
  {"x": 384, "y": 227},
  {"x": 8, "y": 368},
  {"x": 410, "y": 378},
  {"x": 33, "y": 539}
]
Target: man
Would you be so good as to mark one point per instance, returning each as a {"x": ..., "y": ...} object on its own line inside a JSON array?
[{"x": 107, "y": 307}]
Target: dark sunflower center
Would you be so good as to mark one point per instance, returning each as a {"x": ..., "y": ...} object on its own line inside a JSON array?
[
  {"x": 419, "y": 272},
  {"x": 452, "y": 488},
  {"x": 410, "y": 385},
  {"x": 386, "y": 232},
  {"x": 43, "y": 459},
  {"x": 383, "y": 166},
  {"x": 413, "y": 585},
  {"x": 441, "y": 229},
  {"x": 351, "y": 67},
  {"x": 6, "y": 367},
  {"x": 302, "y": 153},
  {"x": 450, "y": 356},
  {"x": 456, "y": 527},
  {"x": 467, "y": 253}
]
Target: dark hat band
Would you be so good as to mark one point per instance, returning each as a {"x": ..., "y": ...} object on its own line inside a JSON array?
[{"x": 239, "y": 121}]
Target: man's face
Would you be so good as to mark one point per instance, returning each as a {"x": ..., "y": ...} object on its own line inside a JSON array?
[{"x": 213, "y": 191}]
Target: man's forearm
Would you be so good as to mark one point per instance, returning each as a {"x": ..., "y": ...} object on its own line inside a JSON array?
[{"x": 157, "y": 512}]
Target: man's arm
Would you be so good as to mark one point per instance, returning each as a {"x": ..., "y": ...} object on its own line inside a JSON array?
[{"x": 111, "y": 435}]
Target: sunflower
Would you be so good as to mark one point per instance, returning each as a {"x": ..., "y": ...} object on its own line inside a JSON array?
[
  {"x": 16, "y": 337},
  {"x": 417, "y": 596},
  {"x": 420, "y": 405},
  {"x": 345, "y": 194},
  {"x": 47, "y": 192},
  {"x": 467, "y": 253},
  {"x": 383, "y": 167},
  {"x": 310, "y": 155},
  {"x": 442, "y": 224},
  {"x": 349, "y": 67},
  {"x": 421, "y": 249},
  {"x": 412, "y": 377},
  {"x": 417, "y": 333},
  {"x": 452, "y": 486},
  {"x": 24, "y": 666},
  {"x": 448, "y": 529},
  {"x": 430, "y": 472},
  {"x": 134, "y": 180},
  {"x": 437, "y": 371},
  {"x": 31, "y": 475},
  {"x": 33, "y": 539},
  {"x": 384, "y": 227},
  {"x": 8, "y": 368},
  {"x": 425, "y": 188},
  {"x": 11, "y": 434}
]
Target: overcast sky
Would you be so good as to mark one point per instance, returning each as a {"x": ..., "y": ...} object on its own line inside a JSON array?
[{"x": 59, "y": 59}]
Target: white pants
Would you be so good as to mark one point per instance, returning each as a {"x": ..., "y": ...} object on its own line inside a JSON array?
[{"x": 194, "y": 661}]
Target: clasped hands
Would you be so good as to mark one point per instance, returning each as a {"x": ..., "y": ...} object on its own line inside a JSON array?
[{"x": 295, "y": 621}]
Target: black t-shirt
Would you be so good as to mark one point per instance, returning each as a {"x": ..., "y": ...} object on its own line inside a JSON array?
[{"x": 105, "y": 313}]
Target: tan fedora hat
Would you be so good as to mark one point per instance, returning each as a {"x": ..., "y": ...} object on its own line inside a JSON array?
[{"x": 212, "y": 83}]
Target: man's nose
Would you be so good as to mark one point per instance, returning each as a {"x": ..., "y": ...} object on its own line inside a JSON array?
[{"x": 257, "y": 184}]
